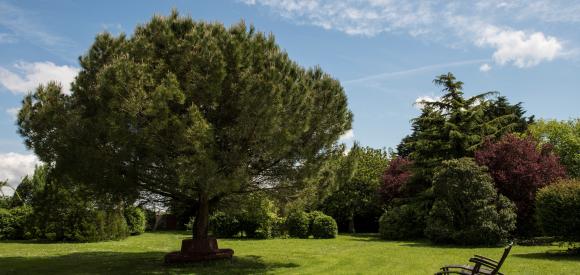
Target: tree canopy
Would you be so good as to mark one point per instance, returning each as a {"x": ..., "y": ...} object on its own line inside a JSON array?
[
  {"x": 189, "y": 110},
  {"x": 519, "y": 168},
  {"x": 358, "y": 179},
  {"x": 565, "y": 137},
  {"x": 455, "y": 126}
]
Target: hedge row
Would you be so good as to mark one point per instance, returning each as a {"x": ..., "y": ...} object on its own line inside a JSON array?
[{"x": 77, "y": 225}]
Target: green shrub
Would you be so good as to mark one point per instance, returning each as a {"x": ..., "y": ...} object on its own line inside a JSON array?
[
  {"x": 311, "y": 217},
  {"x": 6, "y": 230},
  {"x": 298, "y": 223},
  {"x": 258, "y": 216},
  {"x": 279, "y": 227},
  {"x": 13, "y": 223},
  {"x": 20, "y": 219},
  {"x": 117, "y": 228},
  {"x": 223, "y": 225},
  {"x": 151, "y": 218},
  {"x": 86, "y": 225},
  {"x": 136, "y": 221},
  {"x": 558, "y": 210},
  {"x": 467, "y": 208},
  {"x": 324, "y": 227},
  {"x": 403, "y": 222}
]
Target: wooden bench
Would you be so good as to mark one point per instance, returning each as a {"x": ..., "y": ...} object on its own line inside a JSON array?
[{"x": 483, "y": 265}]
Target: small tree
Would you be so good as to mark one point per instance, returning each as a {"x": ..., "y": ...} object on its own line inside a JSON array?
[
  {"x": 394, "y": 178},
  {"x": 565, "y": 137},
  {"x": 357, "y": 186},
  {"x": 467, "y": 208},
  {"x": 519, "y": 167}
]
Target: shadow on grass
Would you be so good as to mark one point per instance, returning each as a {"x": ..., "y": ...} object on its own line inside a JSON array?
[
  {"x": 132, "y": 263},
  {"x": 551, "y": 255},
  {"x": 418, "y": 243}
]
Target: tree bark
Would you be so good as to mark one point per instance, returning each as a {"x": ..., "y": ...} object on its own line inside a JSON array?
[
  {"x": 202, "y": 218},
  {"x": 351, "y": 224}
]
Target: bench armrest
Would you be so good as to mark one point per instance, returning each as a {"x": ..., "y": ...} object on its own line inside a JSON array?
[{"x": 483, "y": 262}]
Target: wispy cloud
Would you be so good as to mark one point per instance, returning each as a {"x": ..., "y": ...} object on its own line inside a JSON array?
[
  {"x": 25, "y": 77},
  {"x": 414, "y": 70},
  {"x": 23, "y": 26},
  {"x": 483, "y": 23}
]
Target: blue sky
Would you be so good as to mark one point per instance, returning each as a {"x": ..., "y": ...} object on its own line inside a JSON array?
[{"x": 384, "y": 52}]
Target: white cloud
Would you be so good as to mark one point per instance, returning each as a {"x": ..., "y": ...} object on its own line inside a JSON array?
[
  {"x": 347, "y": 136},
  {"x": 13, "y": 112},
  {"x": 519, "y": 48},
  {"x": 14, "y": 166},
  {"x": 452, "y": 23},
  {"x": 420, "y": 101},
  {"x": 27, "y": 76},
  {"x": 485, "y": 68}
]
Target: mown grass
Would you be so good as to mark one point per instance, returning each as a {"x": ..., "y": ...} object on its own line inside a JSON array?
[{"x": 348, "y": 254}]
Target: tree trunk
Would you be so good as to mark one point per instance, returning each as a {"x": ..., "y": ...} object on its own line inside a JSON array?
[
  {"x": 202, "y": 218},
  {"x": 351, "y": 224}
]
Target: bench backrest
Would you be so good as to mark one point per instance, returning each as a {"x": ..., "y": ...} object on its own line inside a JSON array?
[{"x": 506, "y": 251}]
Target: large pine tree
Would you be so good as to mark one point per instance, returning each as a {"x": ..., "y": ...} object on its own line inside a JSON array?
[
  {"x": 188, "y": 110},
  {"x": 452, "y": 127}
]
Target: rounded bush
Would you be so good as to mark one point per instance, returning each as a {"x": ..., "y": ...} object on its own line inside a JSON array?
[
  {"x": 558, "y": 210},
  {"x": 223, "y": 225},
  {"x": 467, "y": 209},
  {"x": 403, "y": 222},
  {"x": 312, "y": 216},
  {"x": 324, "y": 227},
  {"x": 136, "y": 220},
  {"x": 298, "y": 223}
]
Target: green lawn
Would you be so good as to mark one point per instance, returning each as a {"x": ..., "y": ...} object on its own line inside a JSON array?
[{"x": 362, "y": 254}]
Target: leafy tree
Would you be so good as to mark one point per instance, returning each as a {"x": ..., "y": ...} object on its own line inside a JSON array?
[
  {"x": 565, "y": 137},
  {"x": 188, "y": 110},
  {"x": 519, "y": 167},
  {"x": 318, "y": 187},
  {"x": 395, "y": 178},
  {"x": 467, "y": 208},
  {"x": 357, "y": 185}
]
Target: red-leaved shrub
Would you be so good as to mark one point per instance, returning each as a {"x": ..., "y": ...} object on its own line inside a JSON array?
[
  {"x": 394, "y": 178},
  {"x": 519, "y": 167}
]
